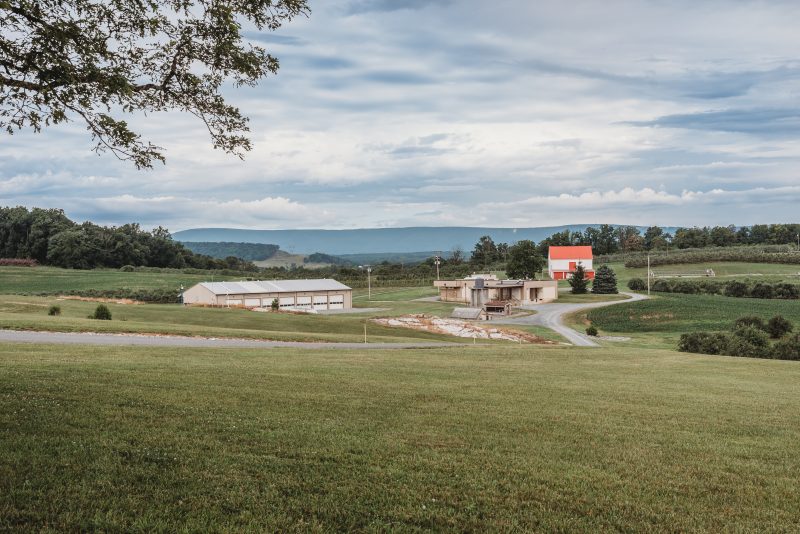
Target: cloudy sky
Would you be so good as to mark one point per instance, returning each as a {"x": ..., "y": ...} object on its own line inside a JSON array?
[{"x": 472, "y": 113}]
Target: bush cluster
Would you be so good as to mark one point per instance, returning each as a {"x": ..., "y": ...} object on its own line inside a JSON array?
[
  {"x": 637, "y": 284},
  {"x": 591, "y": 331},
  {"x": 732, "y": 288},
  {"x": 749, "y": 338},
  {"x": 54, "y": 310}
]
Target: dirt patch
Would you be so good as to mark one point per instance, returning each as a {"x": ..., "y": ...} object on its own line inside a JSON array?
[
  {"x": 459, "y": 328},
  {"x": 100, "y": 299}
]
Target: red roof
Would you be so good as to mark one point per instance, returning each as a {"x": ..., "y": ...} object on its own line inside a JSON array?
[{"x": 570, "y": 253}]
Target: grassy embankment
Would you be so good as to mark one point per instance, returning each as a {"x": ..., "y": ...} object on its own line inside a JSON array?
[{"x": 480, "y": 439}]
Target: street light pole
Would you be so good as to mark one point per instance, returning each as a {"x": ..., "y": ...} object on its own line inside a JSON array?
[
  {"x": 369, "y": 279},
  {"x": 437, "y": 261},
  {"x": 648, "y": 274}
]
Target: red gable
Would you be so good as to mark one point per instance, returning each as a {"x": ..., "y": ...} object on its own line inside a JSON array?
[{"x": 570, "y": 253}]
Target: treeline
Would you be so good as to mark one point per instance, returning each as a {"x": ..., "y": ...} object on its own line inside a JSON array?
[
  {"x": 606, "y": 239},
  {"x": 226, "y": 249},
  {"x": 730, "y": 288},
  {"x": 51, "y": 238},
  {"x": 787, "y": 254}
]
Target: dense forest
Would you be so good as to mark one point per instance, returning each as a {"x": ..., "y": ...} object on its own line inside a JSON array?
[
  {"x": 50, "y": 237},
  {"x": 225, "y": 249}
]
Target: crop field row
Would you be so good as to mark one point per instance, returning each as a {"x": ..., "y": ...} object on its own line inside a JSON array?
[{"x": 688, "y": 313}]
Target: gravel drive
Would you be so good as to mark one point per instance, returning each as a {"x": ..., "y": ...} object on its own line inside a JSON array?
[
  {"x": 551, "y": 316},
  {"x": 87, "y": 338}
]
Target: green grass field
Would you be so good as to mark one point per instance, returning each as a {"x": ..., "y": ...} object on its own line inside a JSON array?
[
  {"x": 723, "y": 270},
  {"x": 30, "y": 313},
  {"x": 478, "y": 439},
  {"x": 52, "y": 280}
]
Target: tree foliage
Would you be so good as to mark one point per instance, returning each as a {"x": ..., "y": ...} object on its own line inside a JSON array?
[
  {"x": 100, "y": 61},
  {"x": 578, "y": 280},
  {"x": 49, "y": 237},
  {"x": 605, "y": 281},
  {"x": 524, "y": 260}
]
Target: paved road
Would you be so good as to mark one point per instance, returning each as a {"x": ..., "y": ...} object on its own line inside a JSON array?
[
  {"x": 551, "y": 316},
  {"x": 83, "y": 338}
]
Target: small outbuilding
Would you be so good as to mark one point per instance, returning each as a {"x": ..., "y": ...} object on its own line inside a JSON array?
[
  {"x": 562, "y": 261},
  {"x": 479, "y": 289},
  {"x": 321, "y": 294}
]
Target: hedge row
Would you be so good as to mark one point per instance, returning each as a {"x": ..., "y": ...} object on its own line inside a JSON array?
[
  {"x": 155, "y": 296},
  {"x": 774, "y": 254},
  {"x": 730, "y": 288},
  {"x": 748, "y": 339}
]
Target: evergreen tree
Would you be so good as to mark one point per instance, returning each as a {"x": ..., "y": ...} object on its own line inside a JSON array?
[
  {"x": 605, "y": 281},
  {"x": 578, "y": 282}
]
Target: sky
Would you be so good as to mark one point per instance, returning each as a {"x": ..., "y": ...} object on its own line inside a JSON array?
[{"x": 509, "y": 113}]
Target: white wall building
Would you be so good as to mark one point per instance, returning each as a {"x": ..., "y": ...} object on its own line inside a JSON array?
[{"x": 321, "y": 294}]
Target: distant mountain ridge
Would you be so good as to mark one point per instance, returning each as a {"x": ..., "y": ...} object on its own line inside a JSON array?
[{"x": 373, "y": 240}]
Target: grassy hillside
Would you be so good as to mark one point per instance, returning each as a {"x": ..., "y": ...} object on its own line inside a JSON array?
[
  {"x": 525, "y": 439},
  {"x": 21, "y": 280},
  {"x": 245, "y": 251},
  {"x": 30, "y": 313}
]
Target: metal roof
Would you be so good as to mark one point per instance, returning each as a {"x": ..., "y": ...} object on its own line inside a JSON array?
[
  {"x": 580, "y": 252},
  {"x": 273, "y": 286}
]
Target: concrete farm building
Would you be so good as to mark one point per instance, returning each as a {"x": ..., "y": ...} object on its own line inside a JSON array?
[
  {"x": 479, "y": 290},
  {"x": 322, "y": 294},
  {"x": 562, "y": 261}
]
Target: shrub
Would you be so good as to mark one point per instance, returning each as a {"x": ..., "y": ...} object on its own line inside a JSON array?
[
  {"x": 54, "y": 310},
  {"x": 787, "y": 291},
  {"x": 102, "y": 313},
  {"x": 750, "y": 321},
  {"x": 605, "y": 281},
  {"x": 736, "y": 289},
  {"x": 127, "y": 268},
  {"x": 778, "y": 326},
  {"x": 661, "y": 286},
  {"x": 637, "y": 284},
  {"x": 787, "y": 349},
  {"x": 685, "y": 286},
  {"x": 703, "y": 343},
  {"x": 591, "y": 331},
  {"x": 275, "y": 305},
  {"x": 762, "y": 291}
]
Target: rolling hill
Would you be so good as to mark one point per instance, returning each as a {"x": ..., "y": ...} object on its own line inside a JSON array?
[{"x": 372, "y": 240}]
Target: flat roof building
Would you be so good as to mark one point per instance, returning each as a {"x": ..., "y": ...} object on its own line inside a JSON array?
[
  {"x": 482, "y": 290},
  {"x": 320, "y": 294}
]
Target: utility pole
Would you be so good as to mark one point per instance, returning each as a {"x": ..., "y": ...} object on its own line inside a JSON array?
[
  {"x": 437, "y": 261},
  {"x": 648, "y": 274},
  {"x": 369, "y": 280}
]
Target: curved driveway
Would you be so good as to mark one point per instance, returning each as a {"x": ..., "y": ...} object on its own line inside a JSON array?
[{"x": 551, "y": 316}]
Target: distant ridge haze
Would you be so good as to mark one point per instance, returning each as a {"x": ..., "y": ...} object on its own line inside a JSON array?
[{"x": 372, "y": 240}]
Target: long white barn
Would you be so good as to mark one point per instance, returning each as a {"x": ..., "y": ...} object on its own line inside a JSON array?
[{"x": 320, "y": 294}]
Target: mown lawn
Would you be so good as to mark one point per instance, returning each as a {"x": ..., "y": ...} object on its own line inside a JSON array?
[
  {"x": 30, "y": 313},
  {"x": 142, "y": 439}
]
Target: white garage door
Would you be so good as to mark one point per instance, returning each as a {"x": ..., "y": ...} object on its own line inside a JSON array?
[
  {"x": 252, "y": 303},
  {"x": 337, "y": 299},
  {"x": 234, "y": 302},
  {"x": 286, "y": 302},
  {"x": 333, "y": 306},
  {"x": 320, "y": 299}
]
